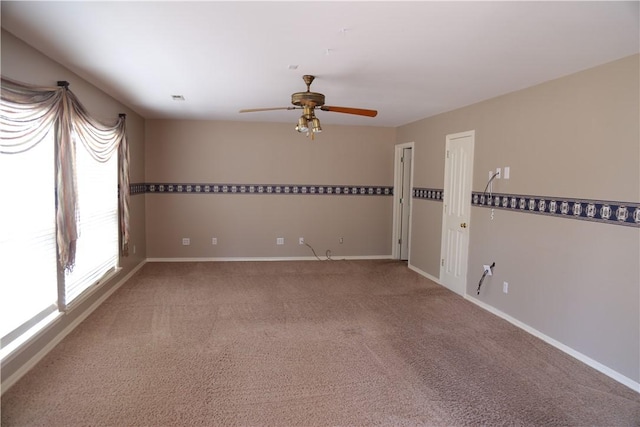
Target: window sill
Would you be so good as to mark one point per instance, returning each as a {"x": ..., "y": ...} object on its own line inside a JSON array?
[
  {"x": 92, "y": 289},
  {"x": 10, "y": 351},
  {"x": 16, "y": 346}
]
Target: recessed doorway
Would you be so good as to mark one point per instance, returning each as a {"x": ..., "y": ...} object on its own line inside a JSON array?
[{"x": 402, "y": 194}]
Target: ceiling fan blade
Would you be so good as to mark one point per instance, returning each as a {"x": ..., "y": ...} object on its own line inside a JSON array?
[
  {"x": 356, "y": 111},
  {"x": 253, "y": 110}
]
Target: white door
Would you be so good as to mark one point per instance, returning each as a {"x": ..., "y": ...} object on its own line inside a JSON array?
[
  {"x": 458, "y": 174},
  {"x": 405, "y": 204},
  {"x": 402, "y": 188}
]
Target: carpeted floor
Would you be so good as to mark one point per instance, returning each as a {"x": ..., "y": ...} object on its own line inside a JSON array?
[{"x": 306, "y": 344}]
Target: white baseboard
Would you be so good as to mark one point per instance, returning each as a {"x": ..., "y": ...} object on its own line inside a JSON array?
[
  {"x": 304, "y": 258},
  {"x": 633, "y": 385},
  {"x": 26, "y": 367},
  {"x": 425, "y": 274}
]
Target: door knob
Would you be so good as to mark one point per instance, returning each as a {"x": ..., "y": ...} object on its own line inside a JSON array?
[{"x": 463, "y": 225}]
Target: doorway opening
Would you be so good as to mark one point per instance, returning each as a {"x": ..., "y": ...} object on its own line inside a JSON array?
[{"x": 402, "y": 195}]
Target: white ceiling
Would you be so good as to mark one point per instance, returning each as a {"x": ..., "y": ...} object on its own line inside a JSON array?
[{"x": 408, "y": 60}]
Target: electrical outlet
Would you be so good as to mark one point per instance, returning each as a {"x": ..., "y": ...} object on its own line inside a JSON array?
[
  {"x": 505, "y": 287},
  {"x": 498, "y": 173},
  {"x": 301, "y": 240},
  {"x": 341, "y": 240},
  {"x": 506, "y": 171},
  {"x": 487, "y": 268},
  {"x": 214, "y": 240},
  {"x": 279, "y": 240},
  {"x": 186, "y": 241}
]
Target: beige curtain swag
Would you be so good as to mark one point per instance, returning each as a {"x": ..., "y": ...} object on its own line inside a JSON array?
[{"x": 28, "y": 113}]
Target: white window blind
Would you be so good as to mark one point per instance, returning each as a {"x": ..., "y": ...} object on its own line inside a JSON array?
[
  {"x": 97, "y": 245},
  {"x": 28, "y": 278}
]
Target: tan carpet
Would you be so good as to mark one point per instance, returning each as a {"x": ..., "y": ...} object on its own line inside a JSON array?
[{"x": 305, "y": 343}]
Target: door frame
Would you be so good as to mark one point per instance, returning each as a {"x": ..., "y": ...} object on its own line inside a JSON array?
[
  {"x": 397, "y": 183},
  {"x": 447, "y": 191}
]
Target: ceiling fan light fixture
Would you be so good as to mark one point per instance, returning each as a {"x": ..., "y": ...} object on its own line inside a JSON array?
[
  {"x": 303, "y": 124},
  {"x": 315, "y": 125}
]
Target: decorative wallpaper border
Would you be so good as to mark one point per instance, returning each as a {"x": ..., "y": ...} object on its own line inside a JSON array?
[
  {"x": 609, "y": 212},
  {"x": 436, "y": 194},
  {"x": 268, "y": 189},
  {"x": 138, "y": 188}
]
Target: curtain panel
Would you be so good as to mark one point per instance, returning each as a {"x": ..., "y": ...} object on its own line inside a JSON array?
[{"x": 27, "y": 113}]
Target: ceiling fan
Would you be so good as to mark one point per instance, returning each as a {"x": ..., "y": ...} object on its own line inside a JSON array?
[{"x": 308, "y": 102}]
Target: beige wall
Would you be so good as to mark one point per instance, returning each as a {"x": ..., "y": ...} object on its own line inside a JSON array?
[
  {"x": 577, "y": 137},
  {"x": 267, "y": 153},
  {"x": 23, "y": 63}
]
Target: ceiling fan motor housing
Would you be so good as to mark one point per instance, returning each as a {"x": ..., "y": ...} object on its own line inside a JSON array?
[{"x": 309, "y": 99}]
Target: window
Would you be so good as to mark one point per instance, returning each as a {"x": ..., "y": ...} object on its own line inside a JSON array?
[
  {"x": 97, "y": 245},
  {"x": 48, "y": 141},
  {"x": 27, "y": 239}
]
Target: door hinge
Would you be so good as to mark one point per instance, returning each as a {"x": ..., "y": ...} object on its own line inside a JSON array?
[
  {"x": 442, "y": 262},
  {"x": 400, "y": 200},
  {"x": 447, "y": 154},
  {"x": 399, "y": 241},
  {"x": 402, "y": 159}
]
